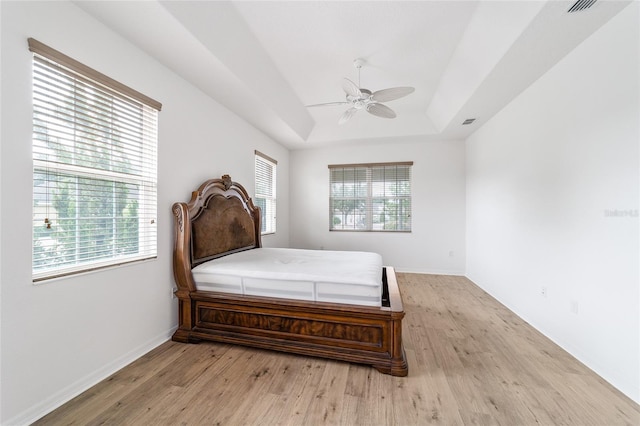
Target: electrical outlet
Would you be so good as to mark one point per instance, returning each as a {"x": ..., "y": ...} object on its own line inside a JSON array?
[
  {"x": 574, "y": 307},
  {"x": 543, "y": 291}
]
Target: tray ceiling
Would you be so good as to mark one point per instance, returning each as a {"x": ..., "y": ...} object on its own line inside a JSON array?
[{"x": 266, "y": 60}]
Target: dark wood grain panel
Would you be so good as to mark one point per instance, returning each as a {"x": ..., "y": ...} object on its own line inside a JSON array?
[{"x": 292, "y": 327}]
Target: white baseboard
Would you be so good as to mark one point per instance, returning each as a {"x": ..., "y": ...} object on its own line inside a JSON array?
[
  {"x": 431, "y": 271},
  {"x": 69, "y": 392}
]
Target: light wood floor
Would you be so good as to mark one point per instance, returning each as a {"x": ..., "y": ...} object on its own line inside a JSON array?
[{"x": 471, "y": 361}]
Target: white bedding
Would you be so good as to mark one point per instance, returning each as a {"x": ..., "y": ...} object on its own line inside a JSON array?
[{"x": 320, "y": 275}]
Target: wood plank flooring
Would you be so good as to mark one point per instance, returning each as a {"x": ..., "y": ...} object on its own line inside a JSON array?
[{"x": 471, "y": 362}]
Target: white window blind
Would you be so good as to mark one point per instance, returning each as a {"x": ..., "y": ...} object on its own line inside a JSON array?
[
  {"x": 370, "y": 197},
  {"x": 94, "y": 169},
  {"x": 265, "y": 196}
]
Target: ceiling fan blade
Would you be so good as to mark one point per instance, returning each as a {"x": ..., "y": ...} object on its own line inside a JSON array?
[
  {"x": 328, "y": 104},
  {"x": 351, "y": 89},
  {"x": 347, "y": 115},
  {"x": 380, "y": 110},
  {"x": 391, "y": 94}
]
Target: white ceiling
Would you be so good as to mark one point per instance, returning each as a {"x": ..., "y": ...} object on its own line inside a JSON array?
[{"x": 267, "y": 60}]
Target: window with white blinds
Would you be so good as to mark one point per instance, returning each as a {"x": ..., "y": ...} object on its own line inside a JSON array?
[
  {"x": 94, "y": 169},
  {"x": 265, "y": 196},
  {"x": 370, "y": 197}
]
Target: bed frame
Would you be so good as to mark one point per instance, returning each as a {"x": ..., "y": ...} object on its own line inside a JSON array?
[{"x": 221, "y": 219}]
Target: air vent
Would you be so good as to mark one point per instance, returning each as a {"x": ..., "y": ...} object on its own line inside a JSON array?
[
  {"x": 468, "y": 121},
  {"x": 581, "y": 5}
]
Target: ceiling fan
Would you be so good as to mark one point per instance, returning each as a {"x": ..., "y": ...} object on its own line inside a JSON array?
[{"x": 360, "y": 98}]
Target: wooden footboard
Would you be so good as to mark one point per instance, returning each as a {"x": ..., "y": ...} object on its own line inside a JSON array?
[{"x": 365, "y": 335}]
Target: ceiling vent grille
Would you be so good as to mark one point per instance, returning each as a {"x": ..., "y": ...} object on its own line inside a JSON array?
[
  {"x": 581, "y": 5},
  {"x": 468, "y": 121}
]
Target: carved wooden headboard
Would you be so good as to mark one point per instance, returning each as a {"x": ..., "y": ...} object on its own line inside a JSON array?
[{"x": 219, "y": 219}]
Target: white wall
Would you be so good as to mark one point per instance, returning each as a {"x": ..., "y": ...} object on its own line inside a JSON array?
[
  {"x": 0, "y": 226},
  {"x": 438, "y": 204},
  {"x": 542, "y": 177},
  {"x": 62, "y": 336}
]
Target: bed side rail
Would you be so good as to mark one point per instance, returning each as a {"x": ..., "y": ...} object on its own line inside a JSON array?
[{"x": 395, "y": 299}]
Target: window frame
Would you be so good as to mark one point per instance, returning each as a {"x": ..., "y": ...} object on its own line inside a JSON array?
[
  {"x": 268, "y": 207},
  {"x": 366, "y": 193},
  {"x": 135, "y": 185}
]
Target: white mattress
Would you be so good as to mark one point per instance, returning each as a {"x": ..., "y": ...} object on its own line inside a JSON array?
[{"x": 319, "y": 275}]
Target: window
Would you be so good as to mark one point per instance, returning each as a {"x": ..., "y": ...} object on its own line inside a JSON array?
[
  {"x": 266, "y": 191},
  {"x": 94, "y": 168},
  {"x": 370, "y": 197}
]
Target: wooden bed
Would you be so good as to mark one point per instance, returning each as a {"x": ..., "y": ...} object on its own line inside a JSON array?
[{"x": 221, "y": 219}]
